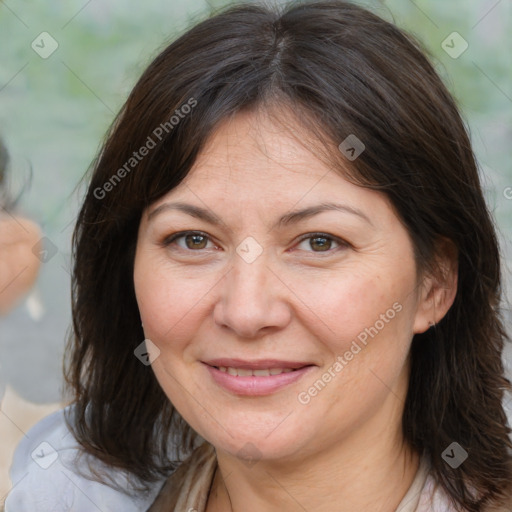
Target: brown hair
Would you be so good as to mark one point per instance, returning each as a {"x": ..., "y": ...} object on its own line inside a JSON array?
[{"x": 344, "y": 71}]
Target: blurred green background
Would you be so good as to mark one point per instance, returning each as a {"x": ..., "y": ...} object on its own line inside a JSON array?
[{"x": 54, "y": 112}]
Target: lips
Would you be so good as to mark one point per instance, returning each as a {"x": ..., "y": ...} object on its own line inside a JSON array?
[
  {"x": 247, "y": 372},
  {"x": 256, "y": 378},
  {"x": 260, "y": 364}
]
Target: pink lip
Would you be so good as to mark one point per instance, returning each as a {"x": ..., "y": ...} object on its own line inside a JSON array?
[
  {"x": 259, "y": 364},
  {"x": 255, "y": 385}
]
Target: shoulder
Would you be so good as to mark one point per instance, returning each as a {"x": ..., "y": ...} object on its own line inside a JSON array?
[
  {"x": 49, "y": 469},
  {"x": 188, "y": 487},
  {"x": 435, "y": 499}
]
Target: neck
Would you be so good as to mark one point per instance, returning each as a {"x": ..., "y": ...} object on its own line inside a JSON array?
[{"x": 370, "y": 470}]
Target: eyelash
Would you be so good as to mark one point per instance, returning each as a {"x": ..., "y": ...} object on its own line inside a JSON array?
[{"x": 176, "y": 236}]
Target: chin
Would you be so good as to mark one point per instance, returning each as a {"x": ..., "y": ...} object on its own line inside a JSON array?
[{"x": 252, "y": 446}]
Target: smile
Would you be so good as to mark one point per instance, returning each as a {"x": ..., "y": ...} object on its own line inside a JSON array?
[
  {"x": 243, "y": 372},
  {"x": 256, "y": 378}
]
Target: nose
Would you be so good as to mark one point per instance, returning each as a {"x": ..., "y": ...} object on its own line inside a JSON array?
[{"x": 253, "y": 300}]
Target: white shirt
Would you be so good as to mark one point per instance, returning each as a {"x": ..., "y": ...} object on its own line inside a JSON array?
[{"x": 45, "y": 476}]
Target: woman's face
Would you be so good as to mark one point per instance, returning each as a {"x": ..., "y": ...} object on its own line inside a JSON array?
[{"x": 277, "y": 322}]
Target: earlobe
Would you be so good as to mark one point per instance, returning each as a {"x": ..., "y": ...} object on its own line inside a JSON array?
[{"x": 438, "y": 291}]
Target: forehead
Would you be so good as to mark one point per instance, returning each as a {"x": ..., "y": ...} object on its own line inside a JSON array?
[
  {"x": 255, "y": 141},
  {"x": 260, "y": 149},
  {"x": 255, "y": 164}
]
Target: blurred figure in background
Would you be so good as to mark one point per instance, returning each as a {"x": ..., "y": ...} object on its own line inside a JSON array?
[
  {"x": 19, "y": 237},
  {"x": 19, "y": 267}
]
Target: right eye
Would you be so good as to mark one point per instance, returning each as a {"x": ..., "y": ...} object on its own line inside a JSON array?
[{"x": 194, "y": 241}]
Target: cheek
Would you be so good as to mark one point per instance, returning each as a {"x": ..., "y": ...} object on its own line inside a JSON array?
[
  {"x": 169, "y": 302},
  {"x": 365, "y": 330},
  {"x": 342, "y": 306}
]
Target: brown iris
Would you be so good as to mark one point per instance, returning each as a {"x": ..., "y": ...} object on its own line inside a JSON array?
[
  {"x": 197, "y": 241},
  {"x": 323, "y": 245}
]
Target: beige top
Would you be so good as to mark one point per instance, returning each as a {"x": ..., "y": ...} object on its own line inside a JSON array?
[{"x": 188, "y": 487}]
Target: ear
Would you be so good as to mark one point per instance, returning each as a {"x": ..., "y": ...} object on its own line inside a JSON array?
[{"x": 438, "y": 290}]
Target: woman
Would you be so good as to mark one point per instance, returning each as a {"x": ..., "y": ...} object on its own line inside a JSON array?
[
  {"x": 19, "y": 245},
  {"x": 285, "y": 273}
]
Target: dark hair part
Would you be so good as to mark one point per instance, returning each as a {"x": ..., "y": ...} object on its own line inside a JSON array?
[{"x": 342, "y": 70}]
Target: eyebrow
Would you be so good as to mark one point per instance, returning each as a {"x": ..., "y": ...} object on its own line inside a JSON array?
[{"x": 292, "y": 217}]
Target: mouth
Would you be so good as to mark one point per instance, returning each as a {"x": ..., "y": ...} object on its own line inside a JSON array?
[
  {"x": 247, "y": 372},
  {"x": 256, "y": 378}
]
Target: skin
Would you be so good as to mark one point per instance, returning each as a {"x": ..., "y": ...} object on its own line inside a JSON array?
[
  {"x": 293, "y": 302},
  {"x": 18, "y": 264}
]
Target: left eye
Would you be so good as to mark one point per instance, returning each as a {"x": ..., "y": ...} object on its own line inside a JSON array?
[{"x": 321, "y": 241}]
